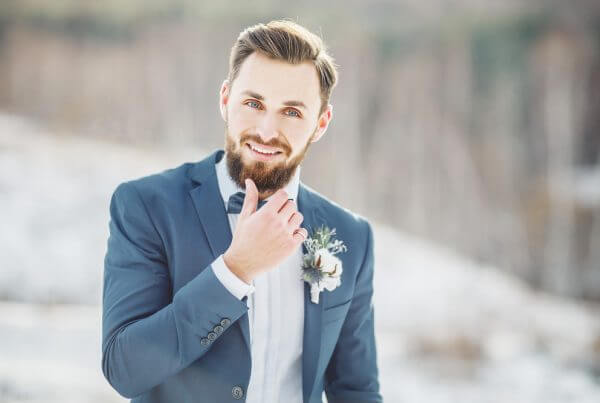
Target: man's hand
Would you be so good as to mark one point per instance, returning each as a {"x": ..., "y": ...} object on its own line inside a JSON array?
[{"x": 264, "y": 238}]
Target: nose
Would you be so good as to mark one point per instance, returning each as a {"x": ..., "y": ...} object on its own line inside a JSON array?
[{"x": 267, "y": 128}]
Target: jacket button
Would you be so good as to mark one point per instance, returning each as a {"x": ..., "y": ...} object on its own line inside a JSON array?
[
  {"x": 237, "y": 392},
  {"x": 211, "y": 336},
  {"x": 225, "y": 322},
  {"x": 204, "y": 341},
  {"x": 218, "y": 329}
]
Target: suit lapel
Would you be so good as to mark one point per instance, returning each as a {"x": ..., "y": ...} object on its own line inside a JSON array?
[
  {"x": 211, "y": 210},
  {"x": 308, "y": 206},
  {"x": 213, "y": 217}
]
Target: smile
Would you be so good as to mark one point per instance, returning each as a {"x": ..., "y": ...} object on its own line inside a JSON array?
[{"x": 262, "y": 154}]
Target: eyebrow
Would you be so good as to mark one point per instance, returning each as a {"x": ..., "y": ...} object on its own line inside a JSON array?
[{"x": 286, "y": 103}]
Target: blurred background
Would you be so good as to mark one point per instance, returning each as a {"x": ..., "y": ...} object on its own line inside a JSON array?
[{"x": 466, "y": 131}]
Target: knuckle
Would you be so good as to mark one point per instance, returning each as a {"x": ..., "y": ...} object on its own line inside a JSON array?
[{"x": 281, "y": 224}]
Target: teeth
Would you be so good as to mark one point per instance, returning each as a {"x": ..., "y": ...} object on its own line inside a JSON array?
[{"x": 262, "y": 151}]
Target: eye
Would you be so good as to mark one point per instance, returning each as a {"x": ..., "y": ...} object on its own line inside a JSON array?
[
  {"x": 294, "y": 113},
  {"x": 253, "y": 104}
]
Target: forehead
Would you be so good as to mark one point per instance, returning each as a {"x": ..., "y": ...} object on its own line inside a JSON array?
[{"x": 278, "y": 81}]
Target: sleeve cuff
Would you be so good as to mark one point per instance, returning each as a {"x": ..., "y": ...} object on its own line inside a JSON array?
[{"x": 235, "y": 285}]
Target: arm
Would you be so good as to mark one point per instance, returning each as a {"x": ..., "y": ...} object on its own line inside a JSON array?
[
  {"x": 146, "y": 336},
  {"x": 352, "y": 373}
]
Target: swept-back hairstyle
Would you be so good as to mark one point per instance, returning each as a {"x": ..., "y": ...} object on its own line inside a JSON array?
[{"x": 287, "y": 41}]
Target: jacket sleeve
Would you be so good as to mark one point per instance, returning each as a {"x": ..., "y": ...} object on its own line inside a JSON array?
[
  {"x": 148, "y": 334},
  {"x": 352, "y": 373}
]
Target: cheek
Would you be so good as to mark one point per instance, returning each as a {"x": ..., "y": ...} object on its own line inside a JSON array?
[
  {"x": 240, "y": 119},
  {"x": 241, "y": 111},
  {"x": 300, "y": 133},
  {"x": 296, "y": 128},
  {"x": 298, "y": 143}
]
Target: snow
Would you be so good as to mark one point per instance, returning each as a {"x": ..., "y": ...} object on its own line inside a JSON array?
[
  {"x": 448, "y": 329},
  {"x": 451, "y": 330},
  {"x": 54, "y": 198}
]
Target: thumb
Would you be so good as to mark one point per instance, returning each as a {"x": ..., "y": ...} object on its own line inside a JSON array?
[{"x": 250, "y": 200}]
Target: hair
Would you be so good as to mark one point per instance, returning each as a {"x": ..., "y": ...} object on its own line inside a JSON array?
[{"x": 290, "y": 42}]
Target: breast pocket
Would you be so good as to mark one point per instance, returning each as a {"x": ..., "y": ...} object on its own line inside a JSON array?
[{"x": 336, "y": 312}]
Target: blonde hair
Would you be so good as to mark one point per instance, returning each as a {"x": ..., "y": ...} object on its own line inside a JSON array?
[{"x": 290, "y": 42}]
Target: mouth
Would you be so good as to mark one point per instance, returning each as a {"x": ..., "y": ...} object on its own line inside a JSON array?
[{"x": 263, "y": 154}]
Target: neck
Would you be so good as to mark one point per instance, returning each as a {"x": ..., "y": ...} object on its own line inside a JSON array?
[{"x": 264, "y": 195}]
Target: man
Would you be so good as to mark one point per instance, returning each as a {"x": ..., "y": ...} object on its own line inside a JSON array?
[{"x": 204, "y": 301}]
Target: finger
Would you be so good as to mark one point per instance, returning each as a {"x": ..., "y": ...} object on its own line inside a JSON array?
[
  {"x": 295, "y": 220},
  {"x": 250, "y": 200},
  {"x": 288, "y": 208},
  {"x": 300, "y": 235},
  {"x": 275, "y": 202}
]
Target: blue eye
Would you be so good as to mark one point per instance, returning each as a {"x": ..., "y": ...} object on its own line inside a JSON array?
[
  {"x": 295, "y": 113},
  {"x": 250, "y": 103}
]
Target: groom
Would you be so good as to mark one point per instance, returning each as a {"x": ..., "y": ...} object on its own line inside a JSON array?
[{"x": 203, "y": 297}]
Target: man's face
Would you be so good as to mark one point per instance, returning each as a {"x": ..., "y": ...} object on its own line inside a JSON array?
[{"x": 272, "y": 106}]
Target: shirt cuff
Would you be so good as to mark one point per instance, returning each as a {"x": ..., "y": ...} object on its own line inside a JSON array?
[{"x": 233, "y": 283}]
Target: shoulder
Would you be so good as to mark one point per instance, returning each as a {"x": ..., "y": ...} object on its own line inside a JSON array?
[
  {"x": 172, "y": 185},
  {"x": 159, "y": 186}
]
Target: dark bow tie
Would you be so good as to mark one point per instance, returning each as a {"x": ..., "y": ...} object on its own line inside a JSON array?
[{"x": 236, "y": 201}]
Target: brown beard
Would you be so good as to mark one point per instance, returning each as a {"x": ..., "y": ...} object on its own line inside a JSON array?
[{"x": 268, "y": 179}]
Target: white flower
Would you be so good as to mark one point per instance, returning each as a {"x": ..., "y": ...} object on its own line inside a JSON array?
[
  {"x": 320, "y": 259},
  {"x": 328, "y": 263},
  {"x": 327, "y": 283}
]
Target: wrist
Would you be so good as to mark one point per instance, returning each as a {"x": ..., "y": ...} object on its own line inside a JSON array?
[{"x": 235, "y": 268}]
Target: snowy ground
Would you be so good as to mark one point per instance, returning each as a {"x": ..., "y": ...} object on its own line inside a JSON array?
[{"x": 448, "y": 330}]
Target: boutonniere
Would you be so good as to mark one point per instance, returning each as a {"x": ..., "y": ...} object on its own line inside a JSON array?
[{"x": 320, "y": 268}]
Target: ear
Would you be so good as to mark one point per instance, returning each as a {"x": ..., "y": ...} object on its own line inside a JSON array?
[
  {"x": 323, "y": 123},
  {"x": 224, "y": 98}
]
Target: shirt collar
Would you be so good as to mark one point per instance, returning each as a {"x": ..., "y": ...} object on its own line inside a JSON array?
[{"x": 228, "y": 187}]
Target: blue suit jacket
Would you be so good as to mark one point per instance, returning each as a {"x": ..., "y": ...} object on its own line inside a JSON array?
[{"x": 160, "y": 298}]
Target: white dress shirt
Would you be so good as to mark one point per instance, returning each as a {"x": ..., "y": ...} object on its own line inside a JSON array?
[{"x": 275, "y": 315}]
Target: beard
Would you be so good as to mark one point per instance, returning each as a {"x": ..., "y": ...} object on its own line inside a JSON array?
[{"x": 267, "y": 176}]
